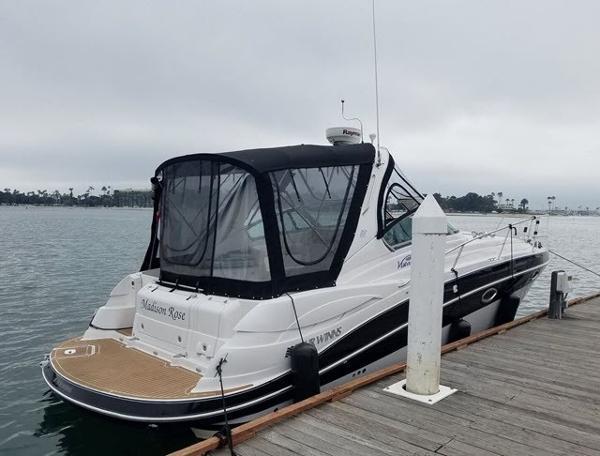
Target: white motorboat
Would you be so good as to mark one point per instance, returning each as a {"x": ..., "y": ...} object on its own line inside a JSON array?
[{"x": 255, "y": 250}]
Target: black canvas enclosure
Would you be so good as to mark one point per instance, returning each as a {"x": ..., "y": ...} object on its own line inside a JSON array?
[{"x": 257, "y": 223}]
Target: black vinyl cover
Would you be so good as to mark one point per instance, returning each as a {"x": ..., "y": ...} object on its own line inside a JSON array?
[{"x": 264, "y": 160}]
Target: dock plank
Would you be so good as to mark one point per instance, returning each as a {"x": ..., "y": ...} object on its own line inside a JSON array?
[
  {"x": 336, "y": 437},
  {"x": 437, "y": 417},
  {"x": 357, "y": 442},
  {"x": 456, "y": 372},
  {"x": 457, "y": 448},
  {"x": 385, "y": 436}
]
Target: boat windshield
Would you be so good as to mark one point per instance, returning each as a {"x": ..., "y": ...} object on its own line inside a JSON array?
[
  {"x": 210, "y": 223},
  {"x": 311, "y": 205}
]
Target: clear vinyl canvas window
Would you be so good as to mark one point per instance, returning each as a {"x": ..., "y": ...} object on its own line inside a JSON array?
[
  {"x": 311, "y": 206},
  {"x": 209, "y": 223}
]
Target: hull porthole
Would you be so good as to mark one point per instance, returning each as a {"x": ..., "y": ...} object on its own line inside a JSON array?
[{"x": 489, "y": 295}]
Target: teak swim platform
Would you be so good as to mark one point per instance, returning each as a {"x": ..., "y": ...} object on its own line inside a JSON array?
[
  {"x": 528, "y": 387},
  {"x": 110, "y": 366}
]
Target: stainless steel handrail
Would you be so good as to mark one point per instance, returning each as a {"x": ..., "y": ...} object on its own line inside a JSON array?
[{"x": 508, "y": 227}]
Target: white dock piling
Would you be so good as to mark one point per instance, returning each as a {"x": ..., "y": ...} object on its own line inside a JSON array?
[{"x": 429, "y": 227}]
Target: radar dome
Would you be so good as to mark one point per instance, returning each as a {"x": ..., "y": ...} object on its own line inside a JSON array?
[{"x": 343, "y": 135}]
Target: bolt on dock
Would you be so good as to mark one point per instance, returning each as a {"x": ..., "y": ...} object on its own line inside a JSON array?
[{"x": 528, "y": 387}]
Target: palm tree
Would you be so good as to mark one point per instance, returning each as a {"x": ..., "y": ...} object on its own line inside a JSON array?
[
  {"x": 524, "y": 203},
  {"x": 512, "y": 203}
]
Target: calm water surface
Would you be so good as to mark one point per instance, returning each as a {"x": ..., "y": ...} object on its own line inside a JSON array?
[{"x": 57, "y": 265}]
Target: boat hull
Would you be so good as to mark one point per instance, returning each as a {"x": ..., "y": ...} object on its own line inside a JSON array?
[{"x": 487, "y": 297}]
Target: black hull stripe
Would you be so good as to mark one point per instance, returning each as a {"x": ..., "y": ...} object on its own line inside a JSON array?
[
  {"x": 398, "y": 337},
  {"x": 352, "y": 345},
  {"x": 392, "y": 318}
]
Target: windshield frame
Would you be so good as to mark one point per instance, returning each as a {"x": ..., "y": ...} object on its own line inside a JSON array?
[{"x": 382, "y": 226}]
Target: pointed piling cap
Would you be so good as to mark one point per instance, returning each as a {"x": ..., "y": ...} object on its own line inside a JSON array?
[{"x": 429, "y": 218}]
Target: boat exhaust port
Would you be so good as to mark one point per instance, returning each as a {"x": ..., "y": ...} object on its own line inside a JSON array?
[{"x": 489, "y": 295}]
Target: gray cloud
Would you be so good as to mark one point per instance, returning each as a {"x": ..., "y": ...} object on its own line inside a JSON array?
[{"x": 483, "y": 96}]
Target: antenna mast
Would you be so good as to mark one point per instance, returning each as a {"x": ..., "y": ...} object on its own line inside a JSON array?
[{"x": 376, "y": 84}]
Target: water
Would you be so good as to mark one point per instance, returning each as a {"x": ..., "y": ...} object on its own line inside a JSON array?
[{"x": 57, "y": 265}]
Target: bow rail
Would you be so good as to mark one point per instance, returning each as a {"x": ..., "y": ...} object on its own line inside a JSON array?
[{"x": 510, "y": 229}]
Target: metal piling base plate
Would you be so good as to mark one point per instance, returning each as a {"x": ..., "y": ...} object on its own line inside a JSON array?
[{"x": 399, "y": 389}]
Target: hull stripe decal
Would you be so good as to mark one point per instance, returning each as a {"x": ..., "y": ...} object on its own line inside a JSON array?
[{"x": 395, "y": 330}]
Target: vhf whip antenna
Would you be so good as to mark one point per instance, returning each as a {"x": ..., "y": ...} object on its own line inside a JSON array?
[
  {"x": 353, "y": 118},
  {"x": 376, "y": 84}
]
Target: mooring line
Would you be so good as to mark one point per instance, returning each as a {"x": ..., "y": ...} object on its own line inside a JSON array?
[
  {"x": 228, "y": 437},
  {"x": 574, "y": 263}
]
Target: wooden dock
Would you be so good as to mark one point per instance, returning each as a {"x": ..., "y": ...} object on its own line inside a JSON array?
[{"x": 530, "y": 387}]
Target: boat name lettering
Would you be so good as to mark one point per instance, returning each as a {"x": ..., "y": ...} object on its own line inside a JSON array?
[
  {"x": 404, "y": 262},
  {"x": 171, "y": 312},
  {"x": 326, "y": 336}
]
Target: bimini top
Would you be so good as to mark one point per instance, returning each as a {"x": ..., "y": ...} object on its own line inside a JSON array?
[
  {"x": 258, "y": 223},
  {"x": 301, "y": 156}
]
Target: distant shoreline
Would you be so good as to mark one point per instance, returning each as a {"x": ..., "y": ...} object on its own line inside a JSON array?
[
  {"x": 55, "y": 206},
  {"x": 450, "y": 214}
]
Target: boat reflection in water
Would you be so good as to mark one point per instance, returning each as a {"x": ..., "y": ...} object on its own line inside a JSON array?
[{"x": 81, "y": 432}]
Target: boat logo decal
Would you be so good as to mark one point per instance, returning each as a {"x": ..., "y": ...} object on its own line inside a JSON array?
[
  {"x": 171, "y": 312},
  {"x": 404, "y": 262},
  {"x": 326, "y": 336}
]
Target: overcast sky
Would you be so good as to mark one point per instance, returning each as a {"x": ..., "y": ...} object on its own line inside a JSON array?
[{"x": 476, "y": 95}]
